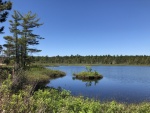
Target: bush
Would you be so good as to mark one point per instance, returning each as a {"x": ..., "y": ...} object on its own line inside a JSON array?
[
  {"x": 59, "y": 101},
  {"x": 5, "y": 71},
  {"x": 89, "y": 74}
]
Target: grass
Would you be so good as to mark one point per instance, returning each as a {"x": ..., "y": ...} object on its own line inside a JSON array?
[
  {"x": 34, "y": 75},
  {"x": 89, "y": 74},
  {"x": 43, "y": 74}
]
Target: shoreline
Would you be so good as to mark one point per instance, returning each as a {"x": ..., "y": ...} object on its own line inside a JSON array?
[{"x": 56, "y": 65}]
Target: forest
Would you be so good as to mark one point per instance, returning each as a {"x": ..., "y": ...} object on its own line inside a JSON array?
[{"x": 103, "y": 59}]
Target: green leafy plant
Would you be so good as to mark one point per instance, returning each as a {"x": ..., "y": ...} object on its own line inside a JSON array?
[{"x": 59, "y": 101}]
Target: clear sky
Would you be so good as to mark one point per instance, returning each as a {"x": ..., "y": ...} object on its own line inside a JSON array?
[{"x": 89, "y": 27}]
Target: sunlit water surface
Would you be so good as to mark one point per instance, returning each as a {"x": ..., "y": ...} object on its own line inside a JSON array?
[{"x": 129, "y": 84}]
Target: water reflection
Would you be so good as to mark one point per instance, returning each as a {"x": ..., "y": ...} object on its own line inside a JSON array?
[
  {"x": 88, "y": 82},
  {"x": 121, "y": 83}
]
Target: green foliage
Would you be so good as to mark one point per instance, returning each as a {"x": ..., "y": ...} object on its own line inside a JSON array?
[
  {"x": 7, "y": 61},
  {"x": 54, "y": 73},
  {"x": 5, "y": 71},
  {"x": 4, "y": 6},
  {"x": 59, "y": 101},
  {"x": 6, "y": 86},
  {"x": 94, "y": 60},
  {"x": 89, "y": 74},
  {"x": 40, "y": 74},
  {"x": 19, "y": 45},
  {"x": 36, "y": 75},
  {"x": 4, "y": 74},
  {"x": 20, "y": 102}
]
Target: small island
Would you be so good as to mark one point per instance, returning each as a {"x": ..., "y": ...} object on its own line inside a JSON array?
[{"x": 89, "y": 74}]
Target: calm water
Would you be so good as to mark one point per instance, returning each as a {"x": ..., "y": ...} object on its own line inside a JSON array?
[{"x": 121, "y": 83}]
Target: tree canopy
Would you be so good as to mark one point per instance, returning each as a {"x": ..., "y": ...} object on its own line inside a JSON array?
[
  {"x": 22, "y": 27},
  {"x": 90, "y": 59},
  {"x": 4, "y": 7}
]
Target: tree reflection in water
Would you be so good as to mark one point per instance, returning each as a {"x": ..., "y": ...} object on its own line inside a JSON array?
[{"x": 88, "y": 82}]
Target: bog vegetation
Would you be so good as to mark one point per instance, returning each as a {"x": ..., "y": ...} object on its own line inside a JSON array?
[
  {"x": 21, "y": 82},
  {"x": 89, "y": 74},
  {"x": 58, "y": 101}
]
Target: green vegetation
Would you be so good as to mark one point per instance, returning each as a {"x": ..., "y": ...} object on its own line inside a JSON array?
[
  {"x": 93, "y": 60},
  {"x": 18, "y": 93},
  {"x": 42, "y": 74},
  {"x": 89, "y": 74},
  {"x": 59, "y": 101},
  {"x": 90, "y": 60},
  {"x": 5, "y": 71},
  {"x": 37, "y": 76},
  {"x": 19, "y": 45},
  {"x": 4, "y": 6}
]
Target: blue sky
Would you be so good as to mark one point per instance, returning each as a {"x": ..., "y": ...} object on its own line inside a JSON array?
[{"x": 89, "y": 27}]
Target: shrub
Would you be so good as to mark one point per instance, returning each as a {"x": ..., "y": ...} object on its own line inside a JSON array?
[
  {"x": 59, "y": 101},
  {"x": 89, "y": 74},
  {"x": 4, "y": 72}
]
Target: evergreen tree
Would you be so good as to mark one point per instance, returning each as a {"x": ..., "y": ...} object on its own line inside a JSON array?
[
  {"x": 10, "y": 47},
  {"x": 1, "y": 48},
  {"x": 4, "y": 6},
  {"x": 23, "y": 37},
  {"x": 28, "y": 38},
  {"x": 14, "y": 29}
]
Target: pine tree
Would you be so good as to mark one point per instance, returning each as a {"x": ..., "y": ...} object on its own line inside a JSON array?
[
  {"x": 4, "y": 6},
  {"x": 28, "y": 38},
  {"x": 23, "y": 36},
  {"x": 1, "y": 48},
  {"x": 14, "y": 24},
  {"x": 10, "y": 46}
]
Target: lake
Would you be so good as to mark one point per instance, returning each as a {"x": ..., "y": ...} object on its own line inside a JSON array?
[{"x": 129, "y": 84}]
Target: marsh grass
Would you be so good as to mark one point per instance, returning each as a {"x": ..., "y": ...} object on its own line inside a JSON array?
[
  {"x": 43, "y": 74},
  {"x": 89, "y": 74}
]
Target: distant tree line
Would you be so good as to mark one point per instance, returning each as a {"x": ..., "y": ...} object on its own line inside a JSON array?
[{"x": 105, "y": 59}]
